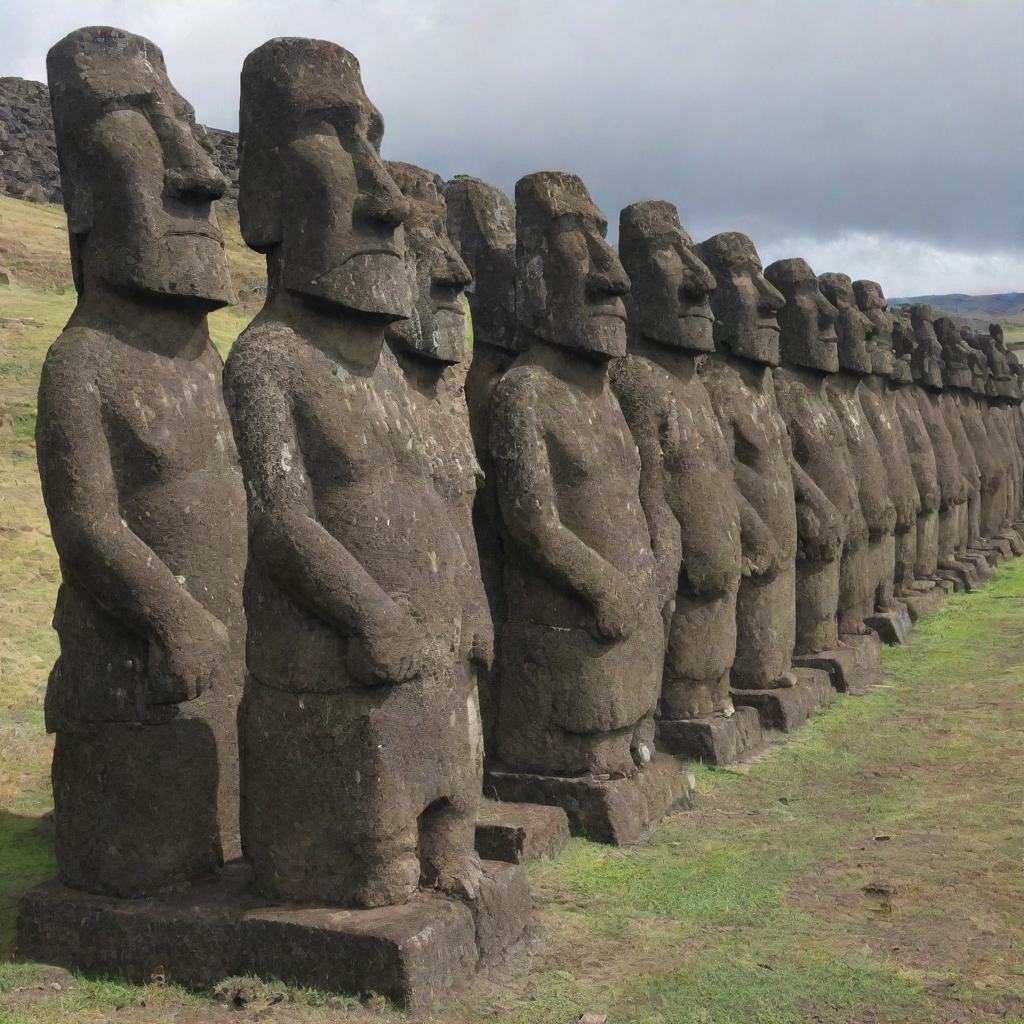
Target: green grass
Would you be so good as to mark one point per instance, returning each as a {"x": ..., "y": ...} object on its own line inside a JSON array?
[{"x": 751, "y": 909}]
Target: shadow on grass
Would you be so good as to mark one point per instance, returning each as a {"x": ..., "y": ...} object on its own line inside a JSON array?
[{"x": 26, "y": 859}]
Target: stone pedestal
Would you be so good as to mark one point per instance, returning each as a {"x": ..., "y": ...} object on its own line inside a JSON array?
[
  {"x": 788, "y": 708},
  {"x": 924, "y": 602},
  {"x": 620, "y": 812},
  {"x": 715, "y": 739},
  {"x": 411, "y": 953},
  {"x": 853, "y": 667},
  {"x": 892, "y": 627},
  {"x": 520, "y": 832},
  {"x": 1002, "y": 545},
  {"x": 1014, "y": 539}
]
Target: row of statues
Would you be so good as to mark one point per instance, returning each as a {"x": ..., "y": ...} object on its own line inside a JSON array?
[{"x": 306, "y": 597}]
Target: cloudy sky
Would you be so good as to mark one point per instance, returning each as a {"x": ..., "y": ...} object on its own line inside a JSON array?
[{"x": 883, "y": 138}]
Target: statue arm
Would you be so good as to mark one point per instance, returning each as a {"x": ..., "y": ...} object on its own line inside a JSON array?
[
  {"x": 529, "y": 511},
  {"x": 292, "y": 546},
  {"x": 478, "y": 628},
  {"x": 100, "y": 552},
  {"x": 819, "y": 522}
]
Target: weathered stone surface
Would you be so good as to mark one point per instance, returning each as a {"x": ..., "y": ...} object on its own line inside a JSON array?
[
  {"x": 359, "y": 619},
  {"x": 892, "y": 627},
  {"x": 925, "y": 603},
  {"x": 520, "y": 832},
  {"x": 787, "y": 709},
  {"x": 28, "y": 150},
  {"x": 481, "y": 223},
  {"x": 687, "y": 488},
  {"x": 142, "y": 486},
  {"x": 739, "y": 381},
  {"x": 411, "y": 953},
  {"x": 715, "y": 739},
  {"x": 853, "y": 667},
  {"x": 582, "y": 645},
  {"x": 620, "y": 812}
]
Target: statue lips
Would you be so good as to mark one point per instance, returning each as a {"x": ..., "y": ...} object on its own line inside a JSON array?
[{"x": 612, "y": 307}]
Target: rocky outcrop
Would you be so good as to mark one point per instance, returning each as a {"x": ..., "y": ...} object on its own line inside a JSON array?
[{"x": 28, "y": 153}]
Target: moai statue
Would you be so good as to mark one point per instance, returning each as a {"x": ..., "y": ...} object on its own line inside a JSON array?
[
  {"x": 926, "y": 365},
  {"x": 1015, "y": 416},
  {"x": 481, "y": 223},
  {"x": 360, "y": 730},
  {"x": 583, "y": 643},
  {"x": 883, "y": 612},
  {"x": 906, "y": 380},
  {"x": 956, "y": 382},
  {"x": 432, "y": 348},
  {"x": 774, "y": 494},
  {"x": 880, "y": 400},
  {"x": 686, "y": 483},
  {"x": 833, "y": 578},
  {"x": 142, "y": 486}
]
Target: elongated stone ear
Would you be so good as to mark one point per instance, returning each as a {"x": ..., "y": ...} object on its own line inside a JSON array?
[
  {"x": 531, "y": 294},
  {"x": 259, "y": 198}
]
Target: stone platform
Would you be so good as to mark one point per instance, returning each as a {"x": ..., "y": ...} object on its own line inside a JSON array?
[
  {"x": 714, "y": 739},
  {"x": 853, "y": 667},
  {"x": 615, "y": 811},
  {"x": 520, "y": 832},
  {"x": 787, "y": 708},
  {"x": 893, "y": 626},
  {"x": 411, "y": 954},
  {"x": 924, "y": 602}
]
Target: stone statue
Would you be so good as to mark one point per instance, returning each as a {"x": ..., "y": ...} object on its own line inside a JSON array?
[
  {"x": 583, "y": 643},
  {"x": 686, "y": 480},
  {"x": 360, "y": 730},
  {"x": 956, "y": 380},
  {"x": 882, "y": 611},
  {"x": 142, "y": 486},
  {"x": 481, "y": 223},
  {"x": 432, "y": 348},
  {"x": 880, "y": 399},
  {"x": 832, "y": 565},
  {"x": 926, "y": 366},
  {"x": 774, "y": 493}
]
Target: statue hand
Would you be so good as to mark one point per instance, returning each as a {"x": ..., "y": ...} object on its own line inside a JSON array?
[
  {"x": 183, "y": 668},
  {"x": 395, "y": 654},
  {"x": 617, "y": 612}
]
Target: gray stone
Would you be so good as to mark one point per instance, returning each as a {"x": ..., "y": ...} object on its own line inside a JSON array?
[
  {"x": 520, "y": 832},
  {"x": 620, "y": 812},
  {"x": 717, "y": 738},
  {"x": 785, "y": 710}
]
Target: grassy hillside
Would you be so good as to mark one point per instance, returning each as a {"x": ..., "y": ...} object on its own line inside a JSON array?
[
  {"x": 1006, "y": 308},
  {"x": 868, "y": 871}
]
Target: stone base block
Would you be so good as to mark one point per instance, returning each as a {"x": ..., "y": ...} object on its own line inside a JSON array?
[
  {"x": 1001, "y": 544},
  {"x": 616, "y": 811},
  {"x": 962, "y": 577},
  {"x": 715, "y": 739},
  {"x": 925, "y": 602},
  {"x": 520, "y": 832},
  {"x": 892, "y": 627},
  {"x": 853, "y": 667},
  {"x": 411, "y": 954},
  {"x": 788, "y": 708},
  {"x": 1015, "y": 539}
]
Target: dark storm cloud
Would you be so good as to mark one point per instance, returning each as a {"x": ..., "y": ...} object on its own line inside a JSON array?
[{"x": 887, "y": 133}]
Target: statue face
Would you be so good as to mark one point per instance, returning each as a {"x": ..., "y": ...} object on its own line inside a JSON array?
[
  {"x": 139, "y": 184},
  {"x": 926, "y": 362},
  {"x": 313, "y": 185},
  {"x": 482, "y": 223},
  {"x": 437, "y": 328},
  {"x": 569, "y": 282},
  {"x": 956, "y": 369},
  {"x": 808, "y": 319},
  {"x": 670, "y": 294},
  {"x": 745, "y": 304},
  {"x": 871, "y": 302},
  {"x": 854, "y": 329}
]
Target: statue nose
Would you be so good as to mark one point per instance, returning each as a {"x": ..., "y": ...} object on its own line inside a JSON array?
[{"x": 200, "y": 183}]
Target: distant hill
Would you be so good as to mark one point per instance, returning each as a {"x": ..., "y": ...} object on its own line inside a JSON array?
[{"x": 1006, "y": 308}]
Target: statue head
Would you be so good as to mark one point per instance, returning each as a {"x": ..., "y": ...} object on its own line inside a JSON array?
[
  {"x": 871, "y": 302},
  {"x": 138, "y": 183},
  {"x": 854, "y": 328},
  {"x": 956, "y": 369},
  {"x": 905, "y": 368},
  {"x": 977, "y": 360},
  {"x": 569, "y": 282},
  {"x": 745, "y": 304},
  {"x": 670, "y": 294},
  {"x": 927, "y": 361},
  {"x": 807, "y": 320},
  {"x": 1017, "y": 373},
  {"x": 482, "y": 224},
  {"x": 437, "y": 328},
  {"x": 314, "y": 193}
]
